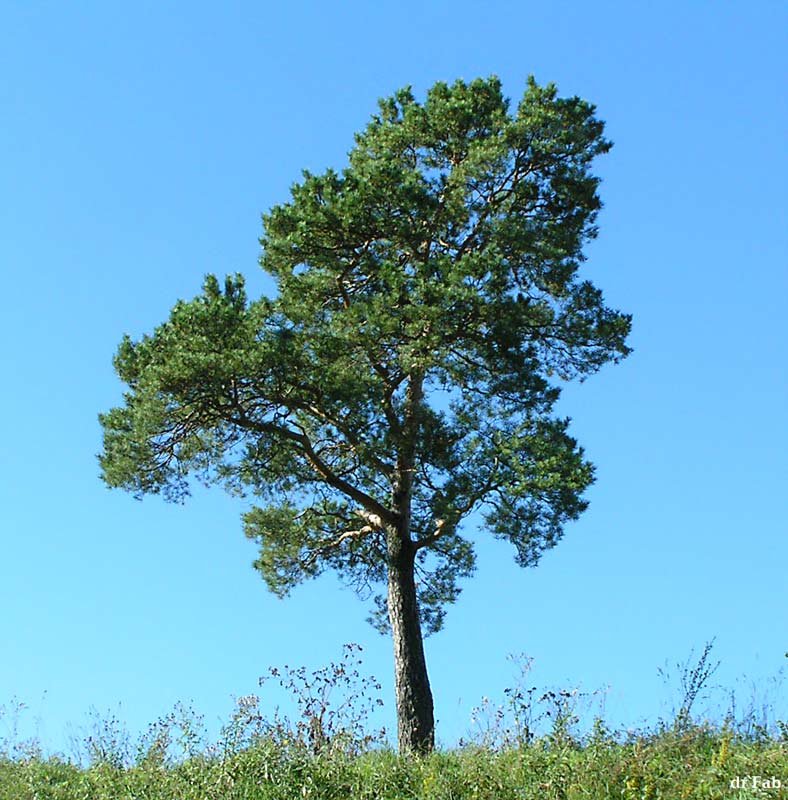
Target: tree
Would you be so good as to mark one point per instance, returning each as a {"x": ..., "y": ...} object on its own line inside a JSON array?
[{"x": 405, "y": 375}]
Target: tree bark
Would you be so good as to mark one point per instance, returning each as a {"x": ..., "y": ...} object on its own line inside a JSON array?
[{"x": 415, "y": 719}]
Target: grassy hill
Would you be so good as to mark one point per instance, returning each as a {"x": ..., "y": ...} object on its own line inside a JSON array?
[{"x": 533, "y": 747}]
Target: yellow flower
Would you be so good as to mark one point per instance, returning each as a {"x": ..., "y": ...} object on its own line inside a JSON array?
[{"x": 721, "y": 757}]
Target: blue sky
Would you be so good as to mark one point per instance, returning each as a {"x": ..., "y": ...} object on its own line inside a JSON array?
[{"x": 139, "y": 144}]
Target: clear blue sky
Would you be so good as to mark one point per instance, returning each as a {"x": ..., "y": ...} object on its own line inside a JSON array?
[{"x": 139, "y": 143}]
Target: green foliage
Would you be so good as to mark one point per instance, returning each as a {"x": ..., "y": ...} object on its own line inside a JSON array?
[
  {"x": 698, "y": 766},
  {"x": 429, "y": 299}
]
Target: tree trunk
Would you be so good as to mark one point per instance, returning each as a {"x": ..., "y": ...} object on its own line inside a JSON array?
[{"x": 415, "y": 720}]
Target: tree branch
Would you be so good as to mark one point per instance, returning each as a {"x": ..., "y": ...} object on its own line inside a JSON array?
[
  {"x": 444, "y": 526},
  {"x": 305, "y": 447},
  {"x": 376, "y": 524}
]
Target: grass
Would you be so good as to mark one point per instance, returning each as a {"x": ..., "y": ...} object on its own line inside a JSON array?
[{"x": 530, "y": 747}]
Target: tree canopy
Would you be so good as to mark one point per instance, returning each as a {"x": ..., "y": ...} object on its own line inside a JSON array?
[{"x": 447, "y": 250}]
